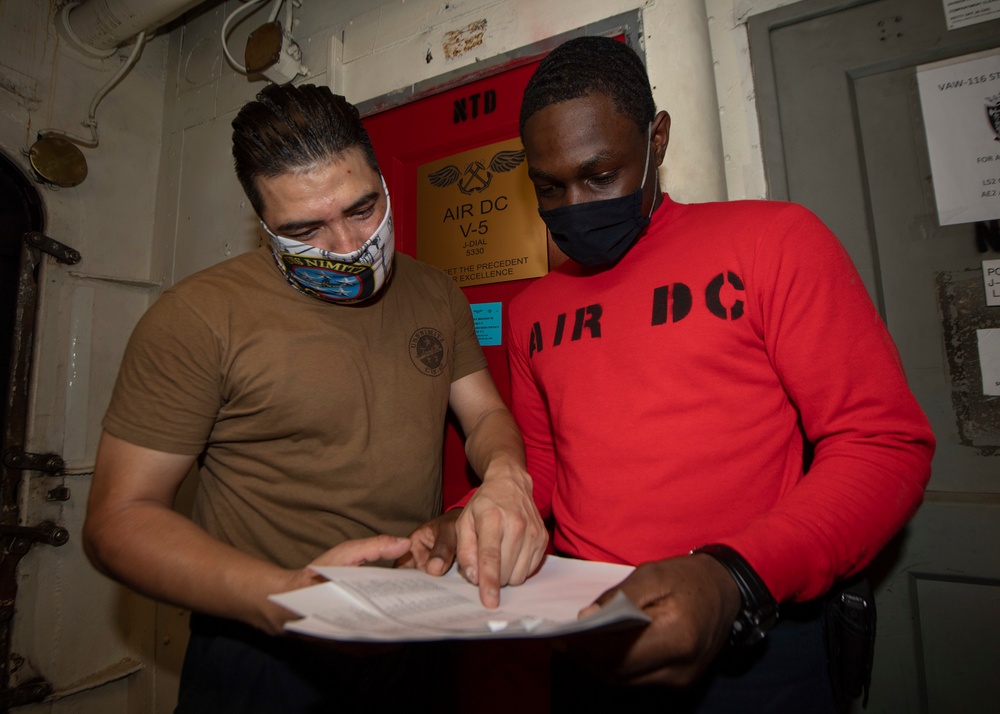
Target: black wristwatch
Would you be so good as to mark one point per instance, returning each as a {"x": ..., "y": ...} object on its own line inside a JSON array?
[{"x": 760, "y": 610}]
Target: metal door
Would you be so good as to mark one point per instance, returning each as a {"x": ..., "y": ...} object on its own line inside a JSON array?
[{"x": 843, "y": 134}]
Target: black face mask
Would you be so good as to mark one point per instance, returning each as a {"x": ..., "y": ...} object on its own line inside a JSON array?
[{"x": 599, "y": 233}]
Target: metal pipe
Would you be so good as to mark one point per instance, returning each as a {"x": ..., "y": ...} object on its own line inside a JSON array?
[
  {"x": 97, "y": 27},
  {"x": 91, "y": 120}
]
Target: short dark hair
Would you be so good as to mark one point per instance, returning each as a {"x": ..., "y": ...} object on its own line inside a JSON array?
[
  {"x": 589, "y": 65},
  {"x": 294, "y": 128}
]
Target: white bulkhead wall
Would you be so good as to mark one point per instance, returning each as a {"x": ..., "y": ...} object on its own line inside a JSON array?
[
  {"x": 161, "y": 202},
  {"x": 68, "y": 621},
  {"x": 384, "y": 48}
]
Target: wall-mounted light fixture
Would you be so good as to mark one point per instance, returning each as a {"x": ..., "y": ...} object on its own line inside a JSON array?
[{"x": 271, "y": 50}]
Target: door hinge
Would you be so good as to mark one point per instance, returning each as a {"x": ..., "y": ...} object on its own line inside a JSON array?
[
  {"x": 26, "y": 461},
  {"x": 59, "y": 251}
]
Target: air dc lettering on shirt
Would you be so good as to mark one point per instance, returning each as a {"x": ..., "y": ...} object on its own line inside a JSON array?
[
  {"x": 713, "y": 296},
  {"x": 671, "y": 303},
  {"x": 588, "y": 318}
]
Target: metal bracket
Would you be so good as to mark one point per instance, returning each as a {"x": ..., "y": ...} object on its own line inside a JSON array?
[
  {"x": 62, "y": 253},
  {"x": 59, "y": 493},
  {"x": 26, "y": 461},
  {"x": 16, "y": 541},
  {"x": 48, "y": 533}
]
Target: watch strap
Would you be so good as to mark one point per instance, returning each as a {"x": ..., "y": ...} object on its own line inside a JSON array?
[{"x": 759, "y": 610}]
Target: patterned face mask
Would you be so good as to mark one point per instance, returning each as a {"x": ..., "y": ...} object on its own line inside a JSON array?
[{"x": 343, "y": 278}]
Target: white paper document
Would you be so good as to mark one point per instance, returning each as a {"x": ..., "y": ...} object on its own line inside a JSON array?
[
  {"x": 961, "y": 13},
  {"x": 989, "y": 360},
  {"x": 960, "y": 99},
  {"x": 387, "y": 605}
]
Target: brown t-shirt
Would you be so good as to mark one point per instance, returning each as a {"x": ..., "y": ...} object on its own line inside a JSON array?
[{"x": 314, "y": 422}]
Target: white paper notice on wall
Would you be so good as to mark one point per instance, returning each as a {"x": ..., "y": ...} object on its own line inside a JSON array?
[
  {"x": 989, "y": 360},
  {"x": 991, "y": 282},
  {"x": 960, "y": 98},
  {"x": 962, "y": 13}
]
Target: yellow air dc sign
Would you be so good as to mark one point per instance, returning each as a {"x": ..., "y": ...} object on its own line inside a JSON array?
[{"x": 477, "y": 217}]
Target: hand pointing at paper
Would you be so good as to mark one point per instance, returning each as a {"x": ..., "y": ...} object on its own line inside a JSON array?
[{"x": 498, "y": 539}]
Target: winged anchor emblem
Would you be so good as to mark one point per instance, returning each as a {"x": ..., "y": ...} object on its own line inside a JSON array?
[
  {"x": 993, "y": 114},
  {"x": 476, "y": 177}
]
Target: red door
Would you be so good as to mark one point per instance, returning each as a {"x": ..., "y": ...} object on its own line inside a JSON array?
[
  {"x": 475, "y": 114},
  {"x": 478, "y": 113},
  {"x": 489, "y": 676}
]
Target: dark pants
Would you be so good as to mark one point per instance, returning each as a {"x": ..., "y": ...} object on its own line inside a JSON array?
[
  {"x": 231, "y": 667},
  {"x": 785, "y": 674}
]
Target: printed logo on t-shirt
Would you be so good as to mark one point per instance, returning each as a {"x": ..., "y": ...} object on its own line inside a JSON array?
[
  {"x": 669, "y": 304},
  {"x": 427, "y": 351}
]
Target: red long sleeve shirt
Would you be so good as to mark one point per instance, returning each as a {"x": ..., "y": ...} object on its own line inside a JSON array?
[{"x": 664, "y": 401}]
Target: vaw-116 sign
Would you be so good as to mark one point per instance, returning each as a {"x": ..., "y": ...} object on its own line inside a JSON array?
[{"x": 961, "y": 105}]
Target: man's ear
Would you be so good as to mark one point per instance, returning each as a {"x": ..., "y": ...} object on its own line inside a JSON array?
[{"x": 661, "y": 135}]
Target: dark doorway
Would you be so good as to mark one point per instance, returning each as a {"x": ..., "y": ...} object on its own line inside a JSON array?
[{"x": 20, "y": 212}]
